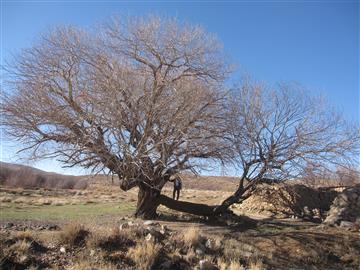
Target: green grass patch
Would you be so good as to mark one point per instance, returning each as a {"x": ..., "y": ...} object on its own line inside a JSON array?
[{"x": 64, "y": 212}]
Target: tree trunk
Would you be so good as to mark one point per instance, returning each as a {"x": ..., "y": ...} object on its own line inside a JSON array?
[
  {"x": 149, "y": 199},
  {"x": 198, "y": 209},
  {"x": 147, "y": 203},
  {"x": 236, "y": 197}
]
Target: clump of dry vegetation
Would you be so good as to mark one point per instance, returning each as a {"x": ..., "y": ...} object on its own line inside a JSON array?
[
  {"x": 256, "y": 265},
  {"x": 144, "y": 254},
  {"x": 115, "y": 240},
  {"x": 73, "y": 234},
  {"x": 192, "y": 237},
  {"x": 231, "y": 265},
  {"x": 20, "y": 251}
]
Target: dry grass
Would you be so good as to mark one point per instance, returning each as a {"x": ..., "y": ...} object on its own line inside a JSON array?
[
  {"x": 144, "y": 254},
  {"x": 234, "y": 249},
  {"x": 25, "y": 235},
  {"x": 21, "y": 247},
  {"x": 115, "y": 240},
  {"x": 192, "y": 236},
  {"x": 256, "y": 265},
  {"x": 232, "y": 265},
  {"x": 88, "y": 265},
  {"x": 73, "y": 234}
]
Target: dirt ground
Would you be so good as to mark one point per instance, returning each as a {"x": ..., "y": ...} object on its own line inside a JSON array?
[{"x": 250, "y": 242}]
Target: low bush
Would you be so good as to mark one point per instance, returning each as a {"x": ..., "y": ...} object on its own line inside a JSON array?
[{"x": 73, "y": 234}]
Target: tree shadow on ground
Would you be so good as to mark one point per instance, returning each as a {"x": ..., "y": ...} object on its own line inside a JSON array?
[{"x": 237, "y": 223}]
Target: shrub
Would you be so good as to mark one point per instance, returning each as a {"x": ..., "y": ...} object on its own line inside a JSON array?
[
  {"x": 144, "y": 254},
  {"x": 21, "y": 247},
  {"x": 116, "y": 240},
  {"x": 73, "y": 234},
  {"x": 232, "y": 265},
  {"x": 256, "y": 265},
  {"x": 192, "y": 236}
]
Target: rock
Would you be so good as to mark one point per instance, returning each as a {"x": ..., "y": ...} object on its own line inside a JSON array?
[
  {"x": 306, "y": 211},
  {"x": 163, "y": 229},
  {"x": 209, "y": 244},
  {"x": 206, "y": 265},
  {"x": 149, "y": 237},
  {"x": 53, "y": 227},
  {"x": 62, "y": 249},
  {"x": 150, "y": 223},
  {"x": 345, "y": 207},
  {"x": 92, "y": 253},
  {"x": 200, "y": 251},
  {"x": 346, "y": 224},
  {"x": 316, "y": 212},
  {"x": 9, "y": 225},
  {"x": 123, "y": 226}
]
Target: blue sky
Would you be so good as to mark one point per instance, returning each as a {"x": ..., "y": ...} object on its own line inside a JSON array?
[{"x": 315, "y": 43}]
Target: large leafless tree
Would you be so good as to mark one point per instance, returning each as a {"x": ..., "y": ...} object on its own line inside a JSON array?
[
  {"x": 141, "y": 98},
  {"x": 145, "y": 100}
]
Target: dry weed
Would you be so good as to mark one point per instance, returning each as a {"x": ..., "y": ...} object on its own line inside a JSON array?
[
  {"x": 256, "y": 265},
  {"x": 144, "y": 254},
  {"x": 21, "y": 247},
  {"x": 192, "y": 236},
  {"x": 115, "y": 240},
  {"x": 73, "y": 234},
  {"x": 232, "y": 265},
  {"x": 25, "y": 235},
  {"x": 234, "y": 249},
  {"x": 88, "y": 265}
]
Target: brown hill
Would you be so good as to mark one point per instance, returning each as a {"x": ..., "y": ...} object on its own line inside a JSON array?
[{"x": 15, "y": 175}]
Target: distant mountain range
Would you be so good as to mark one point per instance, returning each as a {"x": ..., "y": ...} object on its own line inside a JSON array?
[{"x": 15, "y": 175}]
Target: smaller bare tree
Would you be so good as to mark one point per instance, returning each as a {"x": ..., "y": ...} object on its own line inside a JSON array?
[{"x": 279, "y": 134}]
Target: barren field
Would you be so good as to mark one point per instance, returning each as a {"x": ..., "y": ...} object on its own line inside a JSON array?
[{"x": 94, "y": 229}]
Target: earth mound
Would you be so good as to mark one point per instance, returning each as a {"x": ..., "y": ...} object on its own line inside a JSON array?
[
  {"x": 14, "y": 175},
  {"x": 283, "y": 201}
]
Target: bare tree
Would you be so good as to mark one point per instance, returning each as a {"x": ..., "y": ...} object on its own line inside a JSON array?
[
  {"x": 279, "y": 134},
  {"x": 142, "y": 99}
]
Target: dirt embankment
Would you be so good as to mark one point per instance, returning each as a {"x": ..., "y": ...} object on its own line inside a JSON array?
[{"x": 289, "y": 200}]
